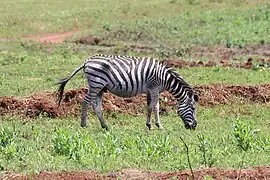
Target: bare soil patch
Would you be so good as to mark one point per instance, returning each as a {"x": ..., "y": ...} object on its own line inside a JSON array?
[
  {"x": 52, "y": 38},
  {"x": 221, "y": 52},
  {"x": 209, "y": 95},
  {"x": 253, "y": 173}
]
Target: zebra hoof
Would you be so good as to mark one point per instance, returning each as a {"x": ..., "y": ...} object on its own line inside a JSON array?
[
  {"x": 105, "y": 127},
  {"x": 160, "y": 127},
  {"x": 149, "y": 126},
  {"x": 83, "y": 125}
]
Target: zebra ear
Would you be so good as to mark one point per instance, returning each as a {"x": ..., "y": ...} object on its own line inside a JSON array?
[{"x": 195, "y": 96}]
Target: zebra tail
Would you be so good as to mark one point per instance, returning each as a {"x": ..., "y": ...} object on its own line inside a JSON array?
[{"x": 62, "y": 83}]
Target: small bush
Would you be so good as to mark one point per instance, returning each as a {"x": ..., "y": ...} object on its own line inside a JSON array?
[
  {"x": 245, "y": 135},
  {"x": 207, "y": 150},
  {"x": 74, "y": 146},
  {"x": 63, "y": 142},
  {"x": 6, "y": 137}
]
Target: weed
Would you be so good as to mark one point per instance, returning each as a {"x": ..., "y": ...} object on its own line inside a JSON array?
[
  {"x": 245, "y": 135},
  {"x": 6, "y": 137},
  {"x": 188, "y": 158},
  {"x": 207, "y": 150},
  {"x": 240, "y": 43},
  {"x": 181, "y": 51},
  {"x": 62, "y": 142},
  {"x": 10, "y": 151}
]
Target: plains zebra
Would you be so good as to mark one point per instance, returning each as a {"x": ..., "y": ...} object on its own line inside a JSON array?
[{"x": 128, "y": 76}]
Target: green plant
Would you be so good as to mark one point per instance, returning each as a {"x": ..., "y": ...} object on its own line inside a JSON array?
[
  {"x": 240, "y": 43},
  {"x": 207, "y": 150},
  {"x": 263, "y": 143},
  {"x": 156, "y": 146},
  {"x": 188, "y": 158},
  {"x": 10, "y": 151},
  {"x": 76, "y": 146},
  {"x": 110, "y": 145},
  {"x": 6, "y": 137},
  {"x": 63, "y": 142},
  {"x": 245, "y": 135},
  {"x": 7, "y": 144}
]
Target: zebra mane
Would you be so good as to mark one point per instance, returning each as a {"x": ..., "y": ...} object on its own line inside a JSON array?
[{"x": 175, "y": 74}]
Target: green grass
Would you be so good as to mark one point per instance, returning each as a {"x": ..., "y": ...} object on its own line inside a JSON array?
[
  {"x": 24, "y": 73},
  {"x": 60, "y": 144},
  {"x": 170, "y": 27},
  {"x": 164, "y": 23}
]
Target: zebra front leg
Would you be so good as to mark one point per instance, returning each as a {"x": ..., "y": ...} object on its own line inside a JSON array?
[
  {"x": 154, "y": 104},
  {"x": 149, "y": 112},
  {"x": 97, "y": 109},
  {"x": 156, "y": 113}
]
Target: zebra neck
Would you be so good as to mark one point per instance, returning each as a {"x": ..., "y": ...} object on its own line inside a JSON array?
[{"x": 178, "y": 88}]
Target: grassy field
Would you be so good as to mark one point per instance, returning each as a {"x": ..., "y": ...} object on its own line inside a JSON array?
[
  {"x": 60, "y": 144},
  {"x": 228, "y": 136},
  {"x": 164, "y": 23},
  {"x": 46, "y": 69}
]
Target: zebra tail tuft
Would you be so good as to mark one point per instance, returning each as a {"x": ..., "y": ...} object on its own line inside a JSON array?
[
  {"x": 63, "y": 83},
  {"x": 61, "y": 88}
]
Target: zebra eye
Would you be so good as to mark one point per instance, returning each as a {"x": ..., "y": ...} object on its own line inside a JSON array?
[{"x": 196, "y": 98}]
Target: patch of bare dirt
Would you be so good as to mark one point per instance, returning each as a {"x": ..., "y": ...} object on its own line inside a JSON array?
[
  {"x": 209, "y": 95},
  {"x": 102, "y": 42},
  {"x": 221, "y": 52},
  {"x": 253, "y": 173},
  {"x": 52, "y": 38}
]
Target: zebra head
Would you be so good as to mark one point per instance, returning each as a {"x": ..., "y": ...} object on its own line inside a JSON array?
[{"x": 187, "y": 108}]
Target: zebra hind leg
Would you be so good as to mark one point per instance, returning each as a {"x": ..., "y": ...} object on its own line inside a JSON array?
[
  {"x": 95, "y": 99},
  {"x": 97, "y": 109},
  {"x": 85, "y": 105}
]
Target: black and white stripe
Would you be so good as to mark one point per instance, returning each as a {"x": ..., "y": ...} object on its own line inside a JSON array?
[{"x": 128, "y": 76}]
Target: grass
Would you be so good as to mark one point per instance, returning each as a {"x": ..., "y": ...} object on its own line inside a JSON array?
[
  {"x": 165, "y": 23},
  {"x": 60, "y": 144},
  {"x": 170, "y": 27},
  {"x": 46, "y": 68}
]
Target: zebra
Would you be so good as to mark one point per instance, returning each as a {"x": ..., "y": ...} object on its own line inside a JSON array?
[{"x": 128, "y": 76}]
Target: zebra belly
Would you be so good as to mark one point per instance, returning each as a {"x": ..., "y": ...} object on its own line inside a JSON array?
[{"x": 124, "y": 92}]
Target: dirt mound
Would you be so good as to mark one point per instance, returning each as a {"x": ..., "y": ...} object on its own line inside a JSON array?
[
  {"x": 44, "y": 104},
  {"x": 254, "y": 173},
  {"x": 225, "y": 94}
]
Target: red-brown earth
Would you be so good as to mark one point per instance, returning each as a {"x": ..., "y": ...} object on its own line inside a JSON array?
[
  {"x": 252, "y": 173},
  {"x": 209, "y": 95}
]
